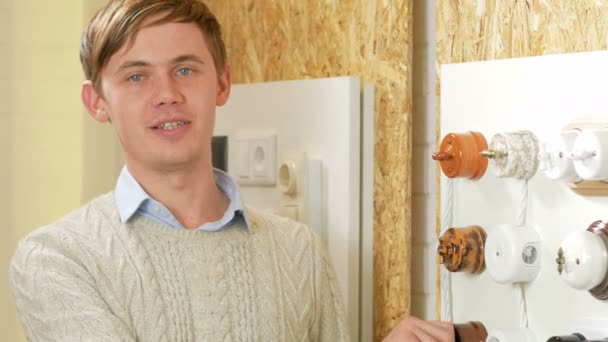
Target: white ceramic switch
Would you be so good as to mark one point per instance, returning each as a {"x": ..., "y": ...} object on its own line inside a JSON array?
[
  {"x": 582, "y": 260},
  {"x": 585, "y": 260},
  {"x": 512, "y": 253},
  {"x": 554, "y": 157},
  {"x": 589, "y": 154}
]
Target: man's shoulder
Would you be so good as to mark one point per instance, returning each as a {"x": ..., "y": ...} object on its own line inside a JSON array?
[
  {"x": 75, "y": 246},
  {"x": 84, "y": 221}
]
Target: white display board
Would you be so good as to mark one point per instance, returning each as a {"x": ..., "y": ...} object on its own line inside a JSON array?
[{"x": 541, "y": 94}]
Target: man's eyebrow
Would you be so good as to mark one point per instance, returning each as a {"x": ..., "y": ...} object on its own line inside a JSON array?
[
  {"x": 132, "y": 64},
  {"x": 176, "y": 60},
  {"x": 187, "y": 58}
]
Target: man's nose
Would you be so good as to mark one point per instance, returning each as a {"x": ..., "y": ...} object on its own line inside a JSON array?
[{"x": 167, "y": 92}]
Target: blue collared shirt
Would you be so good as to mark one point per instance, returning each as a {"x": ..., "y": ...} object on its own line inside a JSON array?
[{"x": 132, "y": 198}]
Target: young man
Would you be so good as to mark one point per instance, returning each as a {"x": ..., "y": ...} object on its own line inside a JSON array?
[{"x": 171, "y": 254}]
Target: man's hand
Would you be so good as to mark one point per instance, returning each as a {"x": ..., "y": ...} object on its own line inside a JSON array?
[{"x": 412, "y": 329}]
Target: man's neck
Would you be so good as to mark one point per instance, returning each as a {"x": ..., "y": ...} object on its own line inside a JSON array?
[{"x": 191, "y": 194}]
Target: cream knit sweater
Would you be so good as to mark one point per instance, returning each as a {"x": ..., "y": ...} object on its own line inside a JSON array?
[{"x": 87, "y": 277}]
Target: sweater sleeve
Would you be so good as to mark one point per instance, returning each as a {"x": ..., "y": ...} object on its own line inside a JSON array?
[
  {"x": 332, "y": 316},
  {"x": 56, "y": 296}
]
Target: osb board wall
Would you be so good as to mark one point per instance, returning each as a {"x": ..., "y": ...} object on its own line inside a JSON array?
[
  {"x": 269, "y": 40},
  {"x": 493, "y": 29}
]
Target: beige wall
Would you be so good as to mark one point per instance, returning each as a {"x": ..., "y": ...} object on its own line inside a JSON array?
[
  {"x": 8, "y": 320},
  {"x": 101, "y": 153},
  {"x": 46, "y": 125},
  {"x": 43, "y": 137}
]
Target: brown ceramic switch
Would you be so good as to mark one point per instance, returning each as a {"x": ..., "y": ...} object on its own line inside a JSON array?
[
  {"x": 460, "y": 155},
  {"x": 462, "y": 249},
  {"x": 470, "y": 332}
]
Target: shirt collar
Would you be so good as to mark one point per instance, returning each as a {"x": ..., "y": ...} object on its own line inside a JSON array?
[{"x": 130, "y": 196}]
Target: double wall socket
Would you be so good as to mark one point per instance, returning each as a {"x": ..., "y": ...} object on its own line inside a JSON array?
[{"x": 255, "y": 159}]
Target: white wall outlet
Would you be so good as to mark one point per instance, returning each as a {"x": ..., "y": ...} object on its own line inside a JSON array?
[{"x": 256, "y": 159}]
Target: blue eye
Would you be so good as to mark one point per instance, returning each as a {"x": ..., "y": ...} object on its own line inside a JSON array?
[
  {"x": 136, "y": 78},
  {"x": 184, "y": 71}
]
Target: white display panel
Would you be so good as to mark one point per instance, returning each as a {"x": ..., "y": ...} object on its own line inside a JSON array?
[{"x": 541, "y": 94}]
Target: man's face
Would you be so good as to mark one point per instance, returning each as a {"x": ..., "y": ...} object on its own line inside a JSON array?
[{"x": 160, "y": 93}]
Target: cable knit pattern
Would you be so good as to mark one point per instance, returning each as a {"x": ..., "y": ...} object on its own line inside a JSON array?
[{"x": 88, "y": 277}]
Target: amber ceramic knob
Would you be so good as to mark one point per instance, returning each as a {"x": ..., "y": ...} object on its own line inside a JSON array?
[
  {"x": 460, "y": 155},
  {"x": 470, "y": 332},
  {"x": 462, "y": 249}
]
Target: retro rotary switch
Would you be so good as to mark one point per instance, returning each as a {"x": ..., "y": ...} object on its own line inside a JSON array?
[
  {"x": 589, "y": 154},
  {"x": 514, "y": 154},
  {"x": 512, "y": 253},
  {"x": 555, "y": 157},
  {"x": 582, "y": 260},
  {"x": 470, "y": 332},
  {"x": 459, "y": 155},
  {"x": 461, "y": 249}
]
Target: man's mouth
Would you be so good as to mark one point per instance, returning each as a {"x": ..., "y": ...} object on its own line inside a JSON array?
[{"x": 170, "y": 125}]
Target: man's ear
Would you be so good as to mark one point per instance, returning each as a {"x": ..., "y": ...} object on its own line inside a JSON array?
[
  {"x": 93, "y": 102},
  {"x": 224, "y": 80}
]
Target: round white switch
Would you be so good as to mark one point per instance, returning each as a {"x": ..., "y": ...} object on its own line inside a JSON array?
[
  {"x": 585, "y": 260},
  {"x": 512, "y": 253},
  {"x": 589, "y": 154},
  {"x": 555, "y": 157}
]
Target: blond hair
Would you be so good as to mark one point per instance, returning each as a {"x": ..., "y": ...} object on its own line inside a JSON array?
[{"x": 117, "y": 23}]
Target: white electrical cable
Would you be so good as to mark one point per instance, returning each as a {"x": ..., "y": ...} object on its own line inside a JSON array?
[
  {"x": 523, "y": 205},
  {"x": 519, "y": 287},
  {"x": 446, "y": 278}
]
